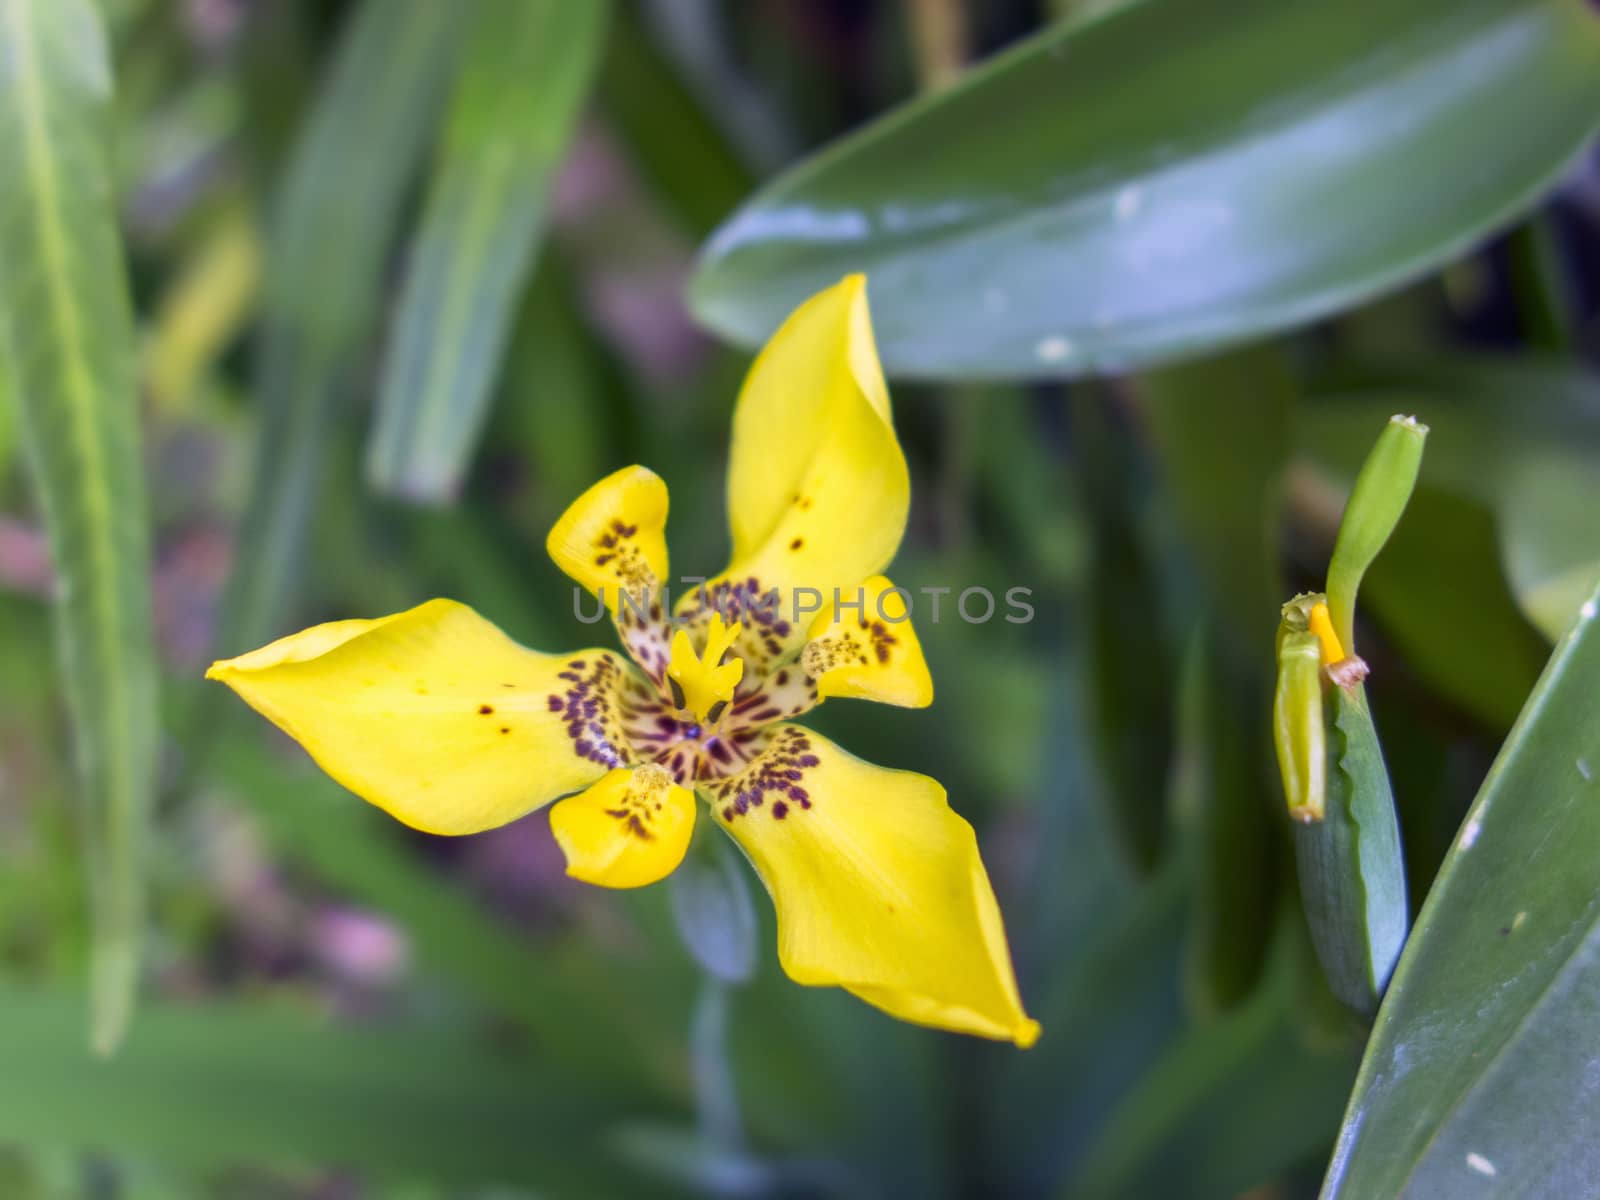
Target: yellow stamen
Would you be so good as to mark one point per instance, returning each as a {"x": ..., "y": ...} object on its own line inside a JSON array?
[
  {"x": 1322, "y": 626},
  {"x": 704, "y": 685}
]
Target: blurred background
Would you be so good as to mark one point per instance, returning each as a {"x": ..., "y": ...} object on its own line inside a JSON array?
[{"x": 403, "y": 277}]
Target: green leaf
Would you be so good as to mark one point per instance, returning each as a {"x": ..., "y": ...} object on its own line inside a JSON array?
[
  {"x": 1377, "y": 501},
  {"x": 1220, "y": 812},
  {"x": 325, "y": 252},
  {"x": 1549, "y": 538},
  {"x": 66, "y": 343},
  {"x": 1222, "y": 430},
  {"x": 1479, "y": 1079},
  {"x": 8, "y": 428},
  {"x": 1233, "y": 409},
  {"x": 588, "y": 1014},
  {"x": 674, "y": 144},
  {"x": 1128, "y": 665},
  {"x": 216, "y": 1085},
  {"x": 1517, "y": 436},
  {"x": 524, "y": 75},
  {"x": 1228, "y": 1105},
  {"x": 1484, "y": 655},
  {"x": 1352, "y": 874},
  {"x": 1173, "y": 176}
]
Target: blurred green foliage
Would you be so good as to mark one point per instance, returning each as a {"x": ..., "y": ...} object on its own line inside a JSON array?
[{"x": 334, "y": 1006}]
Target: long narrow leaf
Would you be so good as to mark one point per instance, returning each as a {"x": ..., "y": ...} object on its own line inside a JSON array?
[
  {"x": 325, "y": 254},
  {"x": 525, "y": 74},
  {"x": 66, "y": 341},
  {"x": 216, "y": 1085}
]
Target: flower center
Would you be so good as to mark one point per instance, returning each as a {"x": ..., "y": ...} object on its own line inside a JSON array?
[{"x": 702, "y": 685}]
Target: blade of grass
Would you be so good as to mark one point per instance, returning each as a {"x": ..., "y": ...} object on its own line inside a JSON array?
[
  {"x": 66, "y": 334},
  {"x": 341, "y": 202},
  {"x": 675, "y": 146},
  {"x": 523, "y": 79}
]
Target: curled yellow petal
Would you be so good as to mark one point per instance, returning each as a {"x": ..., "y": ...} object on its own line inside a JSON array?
[
  {"x": 630, "y": 829},
  {"x": 438, "y": 717},
  {"x": 878, "y": 885},
  {"x": 817, "y": 484},
  {"x": 612, "y": 539},
  {"x": 862, "y": 646}
]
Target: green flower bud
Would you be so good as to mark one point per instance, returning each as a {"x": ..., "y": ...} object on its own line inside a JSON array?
[{"x": 1379, "y": 497}]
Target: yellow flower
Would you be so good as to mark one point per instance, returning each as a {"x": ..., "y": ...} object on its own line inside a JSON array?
[{"x": 437, "y": 717}]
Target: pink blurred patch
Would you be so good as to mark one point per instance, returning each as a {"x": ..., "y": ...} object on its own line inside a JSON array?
[
  {"x": 359, "y": 947},
  {"x": 24, "y": 559}
]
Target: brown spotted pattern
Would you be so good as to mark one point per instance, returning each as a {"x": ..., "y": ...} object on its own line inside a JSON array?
[
  {"x": 775, "y": 782},
  {"x": 617, "y": 717},
  {"x": 646, "y": 796},
  {"x": 870, "y": 641},
  {"x": 615, "y": 550}
]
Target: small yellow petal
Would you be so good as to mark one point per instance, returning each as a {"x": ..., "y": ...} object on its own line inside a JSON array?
[
  {"x": 436, "y": 716},
  {"x": 612, "y": 539},
  {"x": 879, "y": 887},
  {"x": 862, "y": 646},
  {"x": 818, "y": 489},
  {"x": 630, "y": 829}
]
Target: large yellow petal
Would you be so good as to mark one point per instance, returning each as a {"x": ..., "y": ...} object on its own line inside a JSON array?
[
  {"x": 437, "y": 717},
  {"x": 878, "y": 885},
  {"x": 817, "y": 484},
  {"x": 630, "y": 829}
]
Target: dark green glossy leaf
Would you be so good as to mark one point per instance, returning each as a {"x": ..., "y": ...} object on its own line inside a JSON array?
[
  {"x": 66, "y": 346},
  {"x": 1479, "y": 1079},
  {"x": 1173, "y": 176},
  {"x": 523, "y": 78},
  {"x": 338, "y": 209}
]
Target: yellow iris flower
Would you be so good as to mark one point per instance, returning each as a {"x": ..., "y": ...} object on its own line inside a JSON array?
[{"x": 440, "y": 719}]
